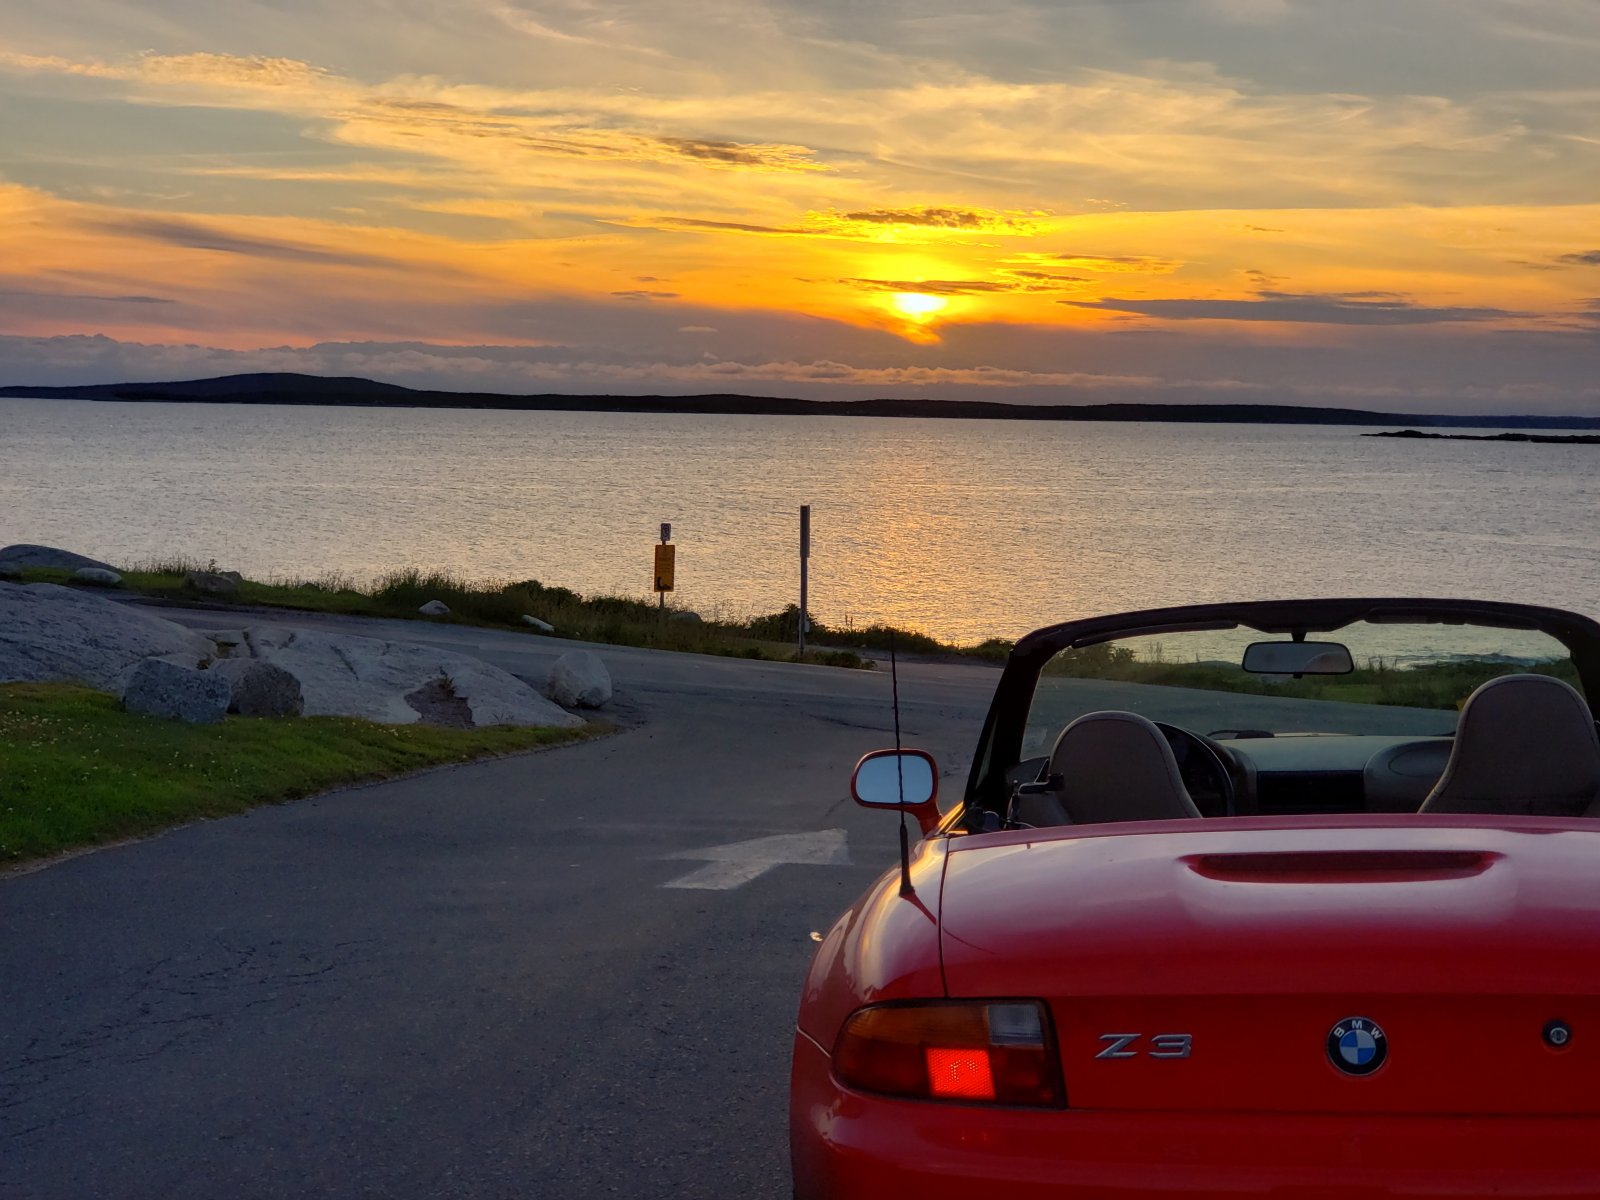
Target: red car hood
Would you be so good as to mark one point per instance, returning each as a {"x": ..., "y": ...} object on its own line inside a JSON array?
[{"x": 1461, "y": 942}]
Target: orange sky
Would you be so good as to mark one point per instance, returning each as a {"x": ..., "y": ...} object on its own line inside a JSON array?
[{"x": 1272, "y": 200}]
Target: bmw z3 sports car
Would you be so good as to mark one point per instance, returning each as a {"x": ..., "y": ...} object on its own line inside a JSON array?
[{"x": 1293, "y": 898}]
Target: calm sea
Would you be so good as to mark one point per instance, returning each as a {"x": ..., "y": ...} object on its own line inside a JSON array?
[{"x": 965, "y": 529}]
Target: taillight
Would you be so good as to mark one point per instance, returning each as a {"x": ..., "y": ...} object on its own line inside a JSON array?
[{"x": 970, "y": 1052}]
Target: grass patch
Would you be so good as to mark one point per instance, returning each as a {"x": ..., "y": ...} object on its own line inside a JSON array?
[
  {"x": 615, "y": 620},
  {"x": 76, "y": 770}
]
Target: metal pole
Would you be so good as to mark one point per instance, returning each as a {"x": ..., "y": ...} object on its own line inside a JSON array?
[{"x": 805, "y": 554}]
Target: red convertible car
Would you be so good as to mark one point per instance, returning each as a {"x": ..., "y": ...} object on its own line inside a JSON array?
[{"x": 1292, "y": 899}]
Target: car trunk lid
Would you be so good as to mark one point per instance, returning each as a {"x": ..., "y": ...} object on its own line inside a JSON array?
[{"x": 1267, "y": 969}]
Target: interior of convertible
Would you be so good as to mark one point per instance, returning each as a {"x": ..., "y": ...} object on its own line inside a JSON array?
[{"x": 1413, "y": 719}]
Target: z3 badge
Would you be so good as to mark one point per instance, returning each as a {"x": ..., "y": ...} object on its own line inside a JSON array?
[
  {"x": 1162, "y": 1045},
  {"x": 1357, "y": 1046}
]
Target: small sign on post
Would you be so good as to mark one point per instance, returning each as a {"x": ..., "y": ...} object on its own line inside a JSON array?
[{"x": 666, "y": 564}]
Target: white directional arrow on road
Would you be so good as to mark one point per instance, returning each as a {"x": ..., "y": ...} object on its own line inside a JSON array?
[{"x": 737, "y": 863}]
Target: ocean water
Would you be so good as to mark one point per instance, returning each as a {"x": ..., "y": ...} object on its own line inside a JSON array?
[{"x": 964, "y": 529}]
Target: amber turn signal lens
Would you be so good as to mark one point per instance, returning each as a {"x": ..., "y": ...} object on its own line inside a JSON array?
[{"x": 970, "y": 1052}]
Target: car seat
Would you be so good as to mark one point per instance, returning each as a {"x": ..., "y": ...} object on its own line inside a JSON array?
[
  {"x": 1113, "y": 766},
  {"x": 1525, "y": 744}
]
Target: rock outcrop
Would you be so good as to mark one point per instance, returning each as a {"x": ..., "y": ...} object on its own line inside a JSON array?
[
  {"x": 341, "y": 674},
  {"x": 579, "y": 680},
  {"x": 50, "y": 633},
  {"x": 26, "y": 557},
  {"x": 161, "y": 687}
]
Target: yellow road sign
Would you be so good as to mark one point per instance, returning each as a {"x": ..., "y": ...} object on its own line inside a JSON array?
[{"x": 666, "y": 566}]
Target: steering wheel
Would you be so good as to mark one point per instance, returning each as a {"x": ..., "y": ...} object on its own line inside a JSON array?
[{"x": 1205, "y": 775}]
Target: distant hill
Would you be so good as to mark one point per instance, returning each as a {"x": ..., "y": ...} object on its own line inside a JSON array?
[{"x": 285, "y": 388}]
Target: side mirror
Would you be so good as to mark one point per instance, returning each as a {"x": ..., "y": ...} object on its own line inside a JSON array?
[
  {"x": 1297, "y": 658},
  {"x": 903, "y": 779}
]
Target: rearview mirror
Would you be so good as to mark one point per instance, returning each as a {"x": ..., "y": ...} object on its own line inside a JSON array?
[
  {"x": 903, "y": 779},
  {"x": 1298, "y": 658}
]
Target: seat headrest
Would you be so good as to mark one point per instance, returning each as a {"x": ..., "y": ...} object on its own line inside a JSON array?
[
  {"x": 1525, "y": 744},
  {"x": 1117, "y": 766}
]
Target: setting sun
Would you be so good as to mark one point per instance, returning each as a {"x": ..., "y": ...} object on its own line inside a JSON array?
[{"x": 917, "y": 305}]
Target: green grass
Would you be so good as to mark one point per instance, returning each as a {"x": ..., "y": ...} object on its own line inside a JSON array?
[
  {"x": 75, "y": 770},
  {"x": 616, "y": 620}
]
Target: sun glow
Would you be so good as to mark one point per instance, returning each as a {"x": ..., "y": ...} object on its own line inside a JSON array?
[{"x": 917, "y": 305}]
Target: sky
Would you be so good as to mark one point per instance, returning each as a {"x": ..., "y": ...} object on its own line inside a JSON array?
[{"x": 1376, "y": 203}]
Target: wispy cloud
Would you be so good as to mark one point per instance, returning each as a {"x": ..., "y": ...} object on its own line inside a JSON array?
[
  {"x": 1105, "y": 264},
  {"x": 196, "y": 235},
  {"x": 31, "y": 294},
  {"x": 1338, "y": 309},
  {"x": 1013, "y": 281}
]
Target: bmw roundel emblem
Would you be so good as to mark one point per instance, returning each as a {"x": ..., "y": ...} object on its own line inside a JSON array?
[{"x": 1357, "y": 1046}]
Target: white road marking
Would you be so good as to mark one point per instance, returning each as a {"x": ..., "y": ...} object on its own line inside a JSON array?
[{"x": 737, "y": 863}]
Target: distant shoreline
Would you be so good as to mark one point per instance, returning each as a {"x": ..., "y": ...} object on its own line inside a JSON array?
[
  {"x": 1570, "y": 439},
  {"x": 367, "y": 393}
]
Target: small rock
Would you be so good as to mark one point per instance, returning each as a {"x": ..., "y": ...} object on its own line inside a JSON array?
[
  {"x": 160, "y": 687},
  {"x": 212, "y": 583},
  {"x": 233, "y": 575},
  {"x": 541, "y": 626},
  {"x": 435, "y": 608},
  {"x": 687, "y": 617},
  {"x": 579, "y": 680},
  {"x": 97, "y": 576},
  {"x": 47, "y": 558},
  {"x": 260, "y": 689}
]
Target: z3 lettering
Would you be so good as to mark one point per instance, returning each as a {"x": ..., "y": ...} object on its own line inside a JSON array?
[{"x": 1163, "y": 1045}]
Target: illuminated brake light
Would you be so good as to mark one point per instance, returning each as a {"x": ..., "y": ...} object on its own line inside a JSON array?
[
  {"x": 974, "y": 1052},
  {"x": 960, "y": 1074}
]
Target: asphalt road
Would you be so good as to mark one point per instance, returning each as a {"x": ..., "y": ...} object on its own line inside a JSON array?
[{"x": 471, "y": 982}]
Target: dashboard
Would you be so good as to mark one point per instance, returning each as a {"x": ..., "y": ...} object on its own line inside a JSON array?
[{"x": 1292, "y": 774}]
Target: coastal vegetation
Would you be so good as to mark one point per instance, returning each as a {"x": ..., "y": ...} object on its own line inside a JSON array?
[
  {"x": 1442, "y": 685},
  {"x": 76, "y": 770},
  {"x": 616, "y": 620}
]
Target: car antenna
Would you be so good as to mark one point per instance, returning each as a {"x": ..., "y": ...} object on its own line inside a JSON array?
[{"x": 900, "y": 772}]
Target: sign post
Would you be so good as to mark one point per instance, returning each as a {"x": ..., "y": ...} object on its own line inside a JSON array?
[
  {"x": 666, "y": 565},
  {"x": 805, "y": 555}
]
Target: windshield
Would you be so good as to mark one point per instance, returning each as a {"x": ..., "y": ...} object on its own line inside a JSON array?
[{"x": 1401, "y": 680}]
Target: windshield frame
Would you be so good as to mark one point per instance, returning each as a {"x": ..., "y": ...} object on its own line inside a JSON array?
[{"x": 1000, "y": 744}]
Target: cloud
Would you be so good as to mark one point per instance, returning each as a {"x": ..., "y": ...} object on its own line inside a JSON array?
[
  {"x": 744, "y": 154},
  {"x": 1110, "y": 264},
  {"x": 871, "y": 225},
  {"x": 641, "y": 294},
  {"x": 975, "y": 219},
  {"x": 1351, "y": 308},
  {"x": 40, "y": 295},
  {"x": 1014, "y": 281},
  {"x": 1587, "y": 258},
  {"x": 196, "y": 235},
  {"x": 725, "y": 226}
]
